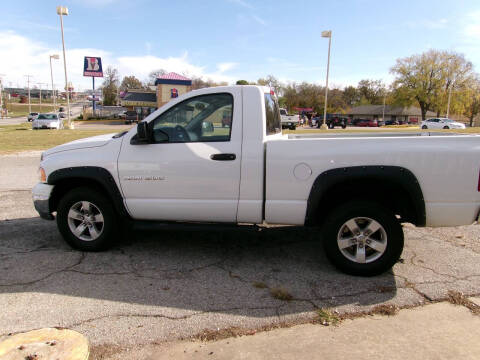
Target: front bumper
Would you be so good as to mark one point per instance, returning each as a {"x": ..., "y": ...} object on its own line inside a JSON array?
[{"x": 41, "y": 200}]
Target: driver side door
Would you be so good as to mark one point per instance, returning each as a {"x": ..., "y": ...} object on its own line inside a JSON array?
[{"x": 191, "y": 171}]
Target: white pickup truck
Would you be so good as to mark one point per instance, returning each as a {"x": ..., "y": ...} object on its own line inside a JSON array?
[
  {"x": 288, "y": 121},
  {"x": 181, "y": 165}
]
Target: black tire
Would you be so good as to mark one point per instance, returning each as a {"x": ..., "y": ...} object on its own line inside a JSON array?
[
  {"x": 331, "y": 126},
  {"x": 363, "y": 209},
  {"x": 424, "y": 127},
  {"x": 293, "y": 127},
  {"x": 446, "y": 127},
  {"x": 344, "y": 126},
  {"x": 102, "y": 203}
]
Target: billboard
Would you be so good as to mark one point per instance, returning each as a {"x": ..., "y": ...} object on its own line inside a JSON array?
[{"x": 92, "y": 66}]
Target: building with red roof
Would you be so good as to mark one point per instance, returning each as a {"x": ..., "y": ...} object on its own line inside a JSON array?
[{"x": 170, "y": 86}]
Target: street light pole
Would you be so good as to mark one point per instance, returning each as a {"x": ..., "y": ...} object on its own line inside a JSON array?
[
  {"x": 28, "y": 85},
  {"x": 55, "y": 56},
  {"x": 326, "y": 34},
  {"x": 449, "y": 97},
  {"x": 63, "y": 10}
]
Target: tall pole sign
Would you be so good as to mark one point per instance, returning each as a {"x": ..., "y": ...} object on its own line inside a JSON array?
[{"x": 92, "y": 66}]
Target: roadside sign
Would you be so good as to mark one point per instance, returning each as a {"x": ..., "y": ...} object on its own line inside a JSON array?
[{"x": 92, "y": 66}]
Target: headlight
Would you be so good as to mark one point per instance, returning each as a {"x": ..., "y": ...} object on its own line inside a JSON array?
[{"x": 42, "y": 176}]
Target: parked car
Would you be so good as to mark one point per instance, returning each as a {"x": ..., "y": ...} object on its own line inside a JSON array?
[
  {"x": 32, "y": 116},
  {"x": 365, "y": 122},
  {"x": 62, "y": 115},
  {"x": 441, "y": 123},
  {"x": 288, "y": 121},
  {"x": 335, "y": 120},
  {"x": 47, "y": 121},
  {"x": 168, "y": 170},
  {"x": 131, "y": 116},
  {"x": 391, "y": 122}
]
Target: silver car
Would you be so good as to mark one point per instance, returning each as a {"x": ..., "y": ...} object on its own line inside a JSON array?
[{"x": 47, "y": 121}]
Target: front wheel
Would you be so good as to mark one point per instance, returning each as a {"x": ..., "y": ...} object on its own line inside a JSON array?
[
  {"x": 446, "y": 127},
  {"x": 86, "y": 219},
  {"x": 424, "y": 127},
  {"x": 362, "y": 238}
]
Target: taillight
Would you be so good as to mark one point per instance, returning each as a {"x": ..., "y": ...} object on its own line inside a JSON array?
[{"x": 478, "y": 188}]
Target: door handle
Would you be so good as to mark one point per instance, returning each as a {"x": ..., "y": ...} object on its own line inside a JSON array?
[{"x": 223, "y": 157}]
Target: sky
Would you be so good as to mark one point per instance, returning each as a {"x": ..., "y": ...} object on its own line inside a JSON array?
[{"x": 227, "y": 40}]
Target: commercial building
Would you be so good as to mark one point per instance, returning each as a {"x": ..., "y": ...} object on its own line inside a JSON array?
[
  {"x": 170, "y": 86},
  {"x": 401, "y": 114}
]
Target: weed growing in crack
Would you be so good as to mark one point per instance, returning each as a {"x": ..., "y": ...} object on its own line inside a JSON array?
[
  {"x": 326, "y": 317},
  {"x": 259, "y": 285},
  {"x": 281, "y": 294}
]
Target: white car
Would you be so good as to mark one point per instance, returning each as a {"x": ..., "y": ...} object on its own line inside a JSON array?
[
  {"x": 441, "y": 123},
  {"x": 32, "y": 116},
  {"x": 175, "y": 166},
  {"x": 47, "y": 121}
]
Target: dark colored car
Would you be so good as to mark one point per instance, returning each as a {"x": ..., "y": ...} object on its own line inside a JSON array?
[
  {"x": 131, "y": 117},
  {"x": 391, "y": 122},
  {"x": 337, "y": 121}
]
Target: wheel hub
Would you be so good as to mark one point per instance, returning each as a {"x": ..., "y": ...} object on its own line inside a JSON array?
[{"x": 362, "y": 240}]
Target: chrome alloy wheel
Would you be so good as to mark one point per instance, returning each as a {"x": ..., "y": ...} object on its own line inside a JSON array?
[
  {"x": 85, "y": 221},
  {"x": 362, "y": 240}
]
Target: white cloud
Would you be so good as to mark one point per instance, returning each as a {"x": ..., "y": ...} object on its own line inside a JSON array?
[
  {"x": 242, "y": 3},
  {"x": 222, "y": 67},
  {"x": 22, "y": 56},
  {"x": 259, "y": 20}
]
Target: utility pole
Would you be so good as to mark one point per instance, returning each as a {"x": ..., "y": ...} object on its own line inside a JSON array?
[
  {"x": 28, "y": 86},
  {"x": 55, "y": 56},
  {"x": 326, "y": 34}
]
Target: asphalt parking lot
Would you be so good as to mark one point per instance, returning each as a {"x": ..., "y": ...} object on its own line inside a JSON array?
[{"x": 166, "y": 285}]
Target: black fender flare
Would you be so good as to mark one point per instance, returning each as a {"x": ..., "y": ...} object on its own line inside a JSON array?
[
  {"x": 396, "y": 175},
  {"x": 101, "y": 176}
]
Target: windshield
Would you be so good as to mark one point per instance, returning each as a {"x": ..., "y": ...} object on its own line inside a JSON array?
[{"x": 47, "y": 117}]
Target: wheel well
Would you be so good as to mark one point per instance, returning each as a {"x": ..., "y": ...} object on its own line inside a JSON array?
[
  {"x": 394, "y": 188},
  {"x": 64, "y": 186}
]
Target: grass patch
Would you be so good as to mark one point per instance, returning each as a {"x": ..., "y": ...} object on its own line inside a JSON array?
[
  {"x": 326, "y": 317},
  {"x": 457, "y": 298},
  {"x": 16, "y": 109},
  {"x": 280, "y": 293},
  {"x": 259, "y": 285},
  {"x": 15, "y": 138}
]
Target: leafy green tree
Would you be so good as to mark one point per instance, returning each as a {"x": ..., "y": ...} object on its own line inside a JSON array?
[
  {"x": 472, "y": 101},
  {"x": 110, "y": 86},
  {"x": 242, "y": 82},
  {"x": 427, "y": 77},
  {"x": 130, "y": 82}
]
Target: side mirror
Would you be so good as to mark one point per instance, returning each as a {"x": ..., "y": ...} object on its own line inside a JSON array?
[
  {"x": 144, "y": 134},
  {"x": 207, "y": 127}
]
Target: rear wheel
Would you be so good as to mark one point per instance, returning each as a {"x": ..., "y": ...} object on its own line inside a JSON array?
[
  {"x": 362, "y": 238},
  {"x": 446, "y": 127},
  {"x": 424, "y": 127},
  {"x": 86, "y": 219}
]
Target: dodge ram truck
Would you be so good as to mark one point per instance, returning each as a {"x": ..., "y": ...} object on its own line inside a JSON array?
[{"x": 179, "y": 165}]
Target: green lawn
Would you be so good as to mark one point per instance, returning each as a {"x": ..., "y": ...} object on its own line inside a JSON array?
[
  {"x": 14, "y": 138},
  {"x": 16, "y": 109}
]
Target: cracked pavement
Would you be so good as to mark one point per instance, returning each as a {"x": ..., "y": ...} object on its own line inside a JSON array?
[{"x": 158, "y": 286}]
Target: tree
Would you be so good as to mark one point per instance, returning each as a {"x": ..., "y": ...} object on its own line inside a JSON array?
[
  {"x": 472, "y": 101},
  {"x": 130, "y": 82},
  {"x": 351, "y": 96},
  {"x": 110, "y": 86},
  {"x": 371, "y": 92},
  {"x": 153, "y": 75},
  {"x": 242, "y": 82},
  {"x": 427, "y": 77},
  {"x": 272, "y": 82}
]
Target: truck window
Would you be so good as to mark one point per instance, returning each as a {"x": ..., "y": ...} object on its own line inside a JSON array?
[
  {"x": 204, "y": 118},
  {"x": 274, "y": 124}
]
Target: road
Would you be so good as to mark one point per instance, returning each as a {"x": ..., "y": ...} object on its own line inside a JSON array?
[
  {"x": 158, "y": 286},
  {"x": 76, "y": 109}
]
